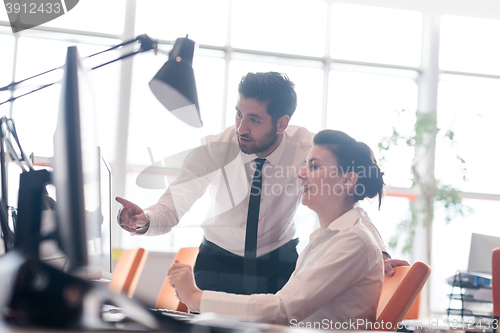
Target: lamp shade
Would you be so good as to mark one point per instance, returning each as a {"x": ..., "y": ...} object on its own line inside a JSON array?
[{"x": 174, "y": 84}]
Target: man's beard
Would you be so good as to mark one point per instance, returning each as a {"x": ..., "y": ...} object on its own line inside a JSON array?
[{"x": 267, "y": 141}]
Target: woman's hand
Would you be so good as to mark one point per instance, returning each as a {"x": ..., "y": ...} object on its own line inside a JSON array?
[{"x": 181, "y": 277}]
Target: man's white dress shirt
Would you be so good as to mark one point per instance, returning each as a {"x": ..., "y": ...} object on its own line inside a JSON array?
[
  {"x": 220, "y": 166},
  {"x": 338, "y": 277},
  {"x": 228, "y": 177}
]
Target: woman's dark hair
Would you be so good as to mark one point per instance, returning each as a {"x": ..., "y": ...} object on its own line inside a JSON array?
[
  {"x": 273, "y": 88},
  {"x": 354, "y": 156}
]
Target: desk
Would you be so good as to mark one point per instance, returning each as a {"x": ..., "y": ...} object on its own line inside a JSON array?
[{"x": 246, "y": 327}]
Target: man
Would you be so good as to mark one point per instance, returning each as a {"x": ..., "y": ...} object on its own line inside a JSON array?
[{"x": 248, "y": 245}]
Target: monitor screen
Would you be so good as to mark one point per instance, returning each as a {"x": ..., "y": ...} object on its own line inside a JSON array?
[
  {"x": 481, "y": 247},
  {"x": 76, "y": 167},
  {"x": 2, "y": 244}
]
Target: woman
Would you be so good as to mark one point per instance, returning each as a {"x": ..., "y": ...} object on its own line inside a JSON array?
[{"x": 339, "y": 275}]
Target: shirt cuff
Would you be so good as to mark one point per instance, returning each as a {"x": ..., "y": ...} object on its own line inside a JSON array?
[{"x": 220, "y": 302}]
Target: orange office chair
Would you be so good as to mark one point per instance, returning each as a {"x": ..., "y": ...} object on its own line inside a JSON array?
[
  {"x": 166, "y": 299},
  {"x": 398, "y": 294},
  {"x": 127, "y": 271},
  {"x": 495, "y": 283},
  {"x": 414, "y": 312}
]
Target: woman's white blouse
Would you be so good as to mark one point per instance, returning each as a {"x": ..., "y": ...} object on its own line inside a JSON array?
[{"x": 338, "y": 278}]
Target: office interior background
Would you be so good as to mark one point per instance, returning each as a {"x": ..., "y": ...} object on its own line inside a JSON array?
[{"x": 356, "y": 65}]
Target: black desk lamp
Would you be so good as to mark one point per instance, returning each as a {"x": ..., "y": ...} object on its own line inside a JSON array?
[{"x": 174, "y": 84}]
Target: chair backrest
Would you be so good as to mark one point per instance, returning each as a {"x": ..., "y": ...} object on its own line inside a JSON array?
[
  {"x": 398, "y": 294},
  {"x": 495, "y": 281},
  {"x": 166, "y": 299},
  {"x": 414, "y": 312},
  {"x": 128, "y": 270}
]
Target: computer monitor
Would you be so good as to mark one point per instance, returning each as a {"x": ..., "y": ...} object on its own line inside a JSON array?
[
  {"x": 2, "y": 244},
  {"x": 76, "y": 167},
  {"x": 481, "y": 247}
]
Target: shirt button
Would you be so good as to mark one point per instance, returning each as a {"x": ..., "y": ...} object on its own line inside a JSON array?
[{"x": 261, "y": 199}]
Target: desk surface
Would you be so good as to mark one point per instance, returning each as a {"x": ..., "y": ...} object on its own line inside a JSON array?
[
  {"x": 418, "y": 325},
  {"x": 242, "y": 327}
]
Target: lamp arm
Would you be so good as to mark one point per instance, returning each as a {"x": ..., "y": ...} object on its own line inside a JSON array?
[
  {"x": 13, "y": 84},
  {"x": 12, "y": 128},
  {"x": 12, "y": 99},
  {"x": 119, "y": 58},
  {"x": 8, "y": 127},
  {"x": 147, "y": 43},
  {"x": 114, "y": 47},
  {"x": 19, "y": 160}
]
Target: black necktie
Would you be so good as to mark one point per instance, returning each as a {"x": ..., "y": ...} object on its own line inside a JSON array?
[{"x": 250, "y": 262}]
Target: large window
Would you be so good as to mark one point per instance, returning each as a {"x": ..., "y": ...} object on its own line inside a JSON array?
[
  {"x": 36, "y": 115},
  {"x": 368, "y": 105},
  {"x": 285, "y": 26},
  {"x": 468, "y": 107},
  {"x": 362, "y": 100},
  {"x": 307, "y": 74},
  {"x": 6, "y": 64},
  {"x": 204, "y": 21},
  {"x": 103, "y": 17},
  {"x": 466, "y": 45},
  {"x": 376, "y": 35}
]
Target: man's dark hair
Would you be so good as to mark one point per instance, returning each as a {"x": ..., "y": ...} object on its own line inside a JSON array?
[{"x": 273, "y": 88}]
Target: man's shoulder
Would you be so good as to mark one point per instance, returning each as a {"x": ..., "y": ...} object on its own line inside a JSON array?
[{"x": 299, "y": 135}]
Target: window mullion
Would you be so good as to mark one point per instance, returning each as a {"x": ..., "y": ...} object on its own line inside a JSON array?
[{"x": 427, "y": 102}]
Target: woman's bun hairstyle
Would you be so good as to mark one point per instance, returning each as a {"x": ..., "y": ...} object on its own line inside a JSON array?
[{"x": 354, "y": 156}]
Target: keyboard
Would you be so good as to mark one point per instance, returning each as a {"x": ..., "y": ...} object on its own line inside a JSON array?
[
  {"x": 174, "y": 313},
  {"x": 115, "y": 314}
]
